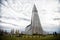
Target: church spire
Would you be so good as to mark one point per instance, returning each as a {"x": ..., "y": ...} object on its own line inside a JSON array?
[
  {"x": 35, "y": 26},
  {"x": 34, "y": 8}
]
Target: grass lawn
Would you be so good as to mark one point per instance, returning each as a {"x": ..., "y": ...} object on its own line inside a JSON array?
[{"x": 26, "y": 37}]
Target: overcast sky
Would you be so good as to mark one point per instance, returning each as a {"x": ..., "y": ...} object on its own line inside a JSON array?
[{"x": 16, "y": 14}]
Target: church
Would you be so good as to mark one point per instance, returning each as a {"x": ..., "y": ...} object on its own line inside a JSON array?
[{"x": 35, "y": 26}]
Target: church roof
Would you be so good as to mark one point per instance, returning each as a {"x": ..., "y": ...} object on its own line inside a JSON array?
[{"x": 28, "y": 25}]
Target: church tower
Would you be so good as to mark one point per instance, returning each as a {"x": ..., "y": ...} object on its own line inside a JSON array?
[
  {"x": 35, "y": 22},
  {"x": 35, "y": 26}
]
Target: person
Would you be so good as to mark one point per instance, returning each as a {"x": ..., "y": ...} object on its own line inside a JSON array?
[{"x": 55, "y": 33}]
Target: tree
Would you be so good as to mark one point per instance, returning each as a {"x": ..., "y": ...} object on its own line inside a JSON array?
[
  {"x": 17, "y": 32},
  {"x": 1, "y": 32},
  {"x": 12, "y": 31}
]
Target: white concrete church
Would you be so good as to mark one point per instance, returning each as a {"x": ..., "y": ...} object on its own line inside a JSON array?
[{"x": 35, "y": 26}]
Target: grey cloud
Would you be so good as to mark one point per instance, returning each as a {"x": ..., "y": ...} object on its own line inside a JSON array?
[
  {"x": 56, "y": 19},
  {"x": 19, "y": 18},
  {"x": 8, "y": 17},
  {"x": 3, "y": 27},
  {"x": 10, "y": 24},
  {"x": 24, "y": 19}
]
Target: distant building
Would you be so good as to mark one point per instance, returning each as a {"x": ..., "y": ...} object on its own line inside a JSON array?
[{"x": 35, "y": 26}]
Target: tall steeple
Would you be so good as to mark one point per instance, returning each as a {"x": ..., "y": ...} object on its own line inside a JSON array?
[
  {"x": 35, "y": 22},
  {"x": 34, "y": 8},
  {"x": 35, "y": 26}
]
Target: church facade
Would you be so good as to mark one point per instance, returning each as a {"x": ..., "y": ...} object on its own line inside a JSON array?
[{"x": 35, "y": 26}]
